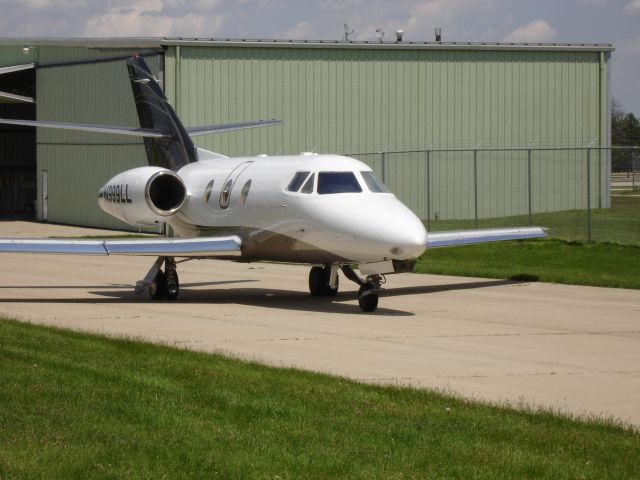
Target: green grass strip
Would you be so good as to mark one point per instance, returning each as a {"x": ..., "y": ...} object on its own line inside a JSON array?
[
  {"x": 80, "y": 406},
  {"x": 557, "y": 261}
]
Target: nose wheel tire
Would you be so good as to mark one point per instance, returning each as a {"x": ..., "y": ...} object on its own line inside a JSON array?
[
  {"x": 319, "y": 285},
  {"x": 367, "y": 298}
]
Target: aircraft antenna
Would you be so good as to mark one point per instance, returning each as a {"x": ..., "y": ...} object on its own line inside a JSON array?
[{"x": 348, "y": 32}]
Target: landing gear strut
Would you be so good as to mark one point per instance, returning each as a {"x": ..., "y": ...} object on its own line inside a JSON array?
[
  {"x": 370, "y": 288},
  {"x": 161, "y": 285}
]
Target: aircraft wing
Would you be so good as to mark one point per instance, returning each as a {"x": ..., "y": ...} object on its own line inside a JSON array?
[
  {"x": 164, "y": 247},
  {"x": 469, "y": 237},
  {"x": 136, "y": 132}
]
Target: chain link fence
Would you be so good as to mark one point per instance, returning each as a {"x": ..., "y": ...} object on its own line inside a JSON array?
[{"x": 586, "y": 194}]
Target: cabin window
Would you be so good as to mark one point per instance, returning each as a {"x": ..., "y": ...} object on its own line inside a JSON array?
[
  {"x": 245, "y": 192},
  {"x": 296, "y": 181},
  {"x": 225, "y": 195},
  {"x": 308, "y": 185},
  {"x": 207, "y": 191},
  {"x": 374, "y": 184},
  {"x": 338, "y": 182}
]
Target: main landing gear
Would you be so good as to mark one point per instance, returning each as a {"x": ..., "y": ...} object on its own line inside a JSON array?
[
  {"x": 323, "y": 282},
  {"x": 161, "y": 285}
]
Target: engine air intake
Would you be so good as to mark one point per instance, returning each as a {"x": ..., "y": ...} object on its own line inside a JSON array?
[{"x": 165, "y": 193}]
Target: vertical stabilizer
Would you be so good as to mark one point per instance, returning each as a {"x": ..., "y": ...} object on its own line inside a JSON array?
[{"x": 155, "y": 113}]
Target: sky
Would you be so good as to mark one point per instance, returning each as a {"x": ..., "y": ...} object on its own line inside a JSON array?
[{"x": 563, "y": 21}]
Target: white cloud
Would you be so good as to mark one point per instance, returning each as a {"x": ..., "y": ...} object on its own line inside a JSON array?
[
  {"x": 341, "y": 5},
  {"x": 594, "y": 3},
  {"x": 301, "y": 31},
  {"x": 534, "y": 31},
  {"x": 155, "y": 18},
  {"x": 447, "y": 11},
  {"x": 628, "y": 47},
  {"x": 633, "y": 6}
]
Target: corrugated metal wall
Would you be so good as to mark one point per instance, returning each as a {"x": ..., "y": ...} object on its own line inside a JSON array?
[
  {"x": 344, "y": 100},
  {"x": 363, "y": 100},
  {"x": 78, "y": 163}
]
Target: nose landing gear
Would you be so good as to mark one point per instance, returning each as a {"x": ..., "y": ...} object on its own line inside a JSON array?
[
  {"x": 370, "y": 288},
  {"x": 369, "y": 293}
]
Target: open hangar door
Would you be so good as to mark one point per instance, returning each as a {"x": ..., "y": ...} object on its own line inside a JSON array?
[{"x": 17, "y": 143}]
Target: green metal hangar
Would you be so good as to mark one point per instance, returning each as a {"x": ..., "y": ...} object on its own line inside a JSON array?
[{"x": 339, "y": 97}]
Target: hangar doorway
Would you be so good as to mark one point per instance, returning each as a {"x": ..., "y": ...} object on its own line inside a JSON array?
[{"x": 18, "y": 189}]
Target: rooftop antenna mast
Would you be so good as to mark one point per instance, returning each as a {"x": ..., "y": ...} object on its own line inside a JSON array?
[
  {"x": 380, "y": 34},
  {"x": 347, "y": 32}
]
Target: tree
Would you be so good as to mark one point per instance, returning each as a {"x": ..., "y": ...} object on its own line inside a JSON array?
[
  {"x": 625, "y": 127},
  {"x": 625, "y": 130}
]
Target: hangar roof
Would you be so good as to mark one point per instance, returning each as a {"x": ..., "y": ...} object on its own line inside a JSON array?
[{"x": 157, "y": 42}]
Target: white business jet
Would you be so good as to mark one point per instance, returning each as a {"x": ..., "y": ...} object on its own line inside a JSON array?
[{"x": 329, "y": 211}]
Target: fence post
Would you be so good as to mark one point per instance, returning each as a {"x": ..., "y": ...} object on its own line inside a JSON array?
[
  {"x": 588, "y": 194},
  {"x": 529, "y": 182},
  {"x": 384, "y": 168},
  {"x": 475, "y": 185},
  {"x": 428, "y": 189},
  {"x": 633, "y": 170}
]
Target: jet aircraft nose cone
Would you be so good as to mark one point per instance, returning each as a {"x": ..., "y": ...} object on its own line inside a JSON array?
[{"x": 411, "y": 239}]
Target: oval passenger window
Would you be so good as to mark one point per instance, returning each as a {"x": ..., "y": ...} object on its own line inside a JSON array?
[
  {"x": 245, "y": 192},
  {"x": 207, "y": 191},
  {"x": 225, "y": 195}
]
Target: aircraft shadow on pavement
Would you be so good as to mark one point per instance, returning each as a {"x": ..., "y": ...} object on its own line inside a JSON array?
[
  {"x": 258, "y": 297},
  {"x": 117, "y": 285}
]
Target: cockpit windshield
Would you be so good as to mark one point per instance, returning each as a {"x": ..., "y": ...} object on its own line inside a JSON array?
[
  {"x": 374, "y": 184},
  {"x": 338, "y": 182}
]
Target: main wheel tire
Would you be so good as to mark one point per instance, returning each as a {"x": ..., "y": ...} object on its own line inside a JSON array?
[
  {"x": 172, "y": 285},
  {"x": 368, "y": 303},
  {"x": 317, "y": 282},
  {"x": 158, "y": 288}
]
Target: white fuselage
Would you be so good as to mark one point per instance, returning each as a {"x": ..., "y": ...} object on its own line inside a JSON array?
[{"x": 277, "y": 224}]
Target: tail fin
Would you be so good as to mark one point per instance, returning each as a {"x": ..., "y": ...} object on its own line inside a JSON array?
[{"x": 155, "y": 113}]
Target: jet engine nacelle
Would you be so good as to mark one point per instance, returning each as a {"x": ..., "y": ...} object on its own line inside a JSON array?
[{"x": 143, "y": 196}]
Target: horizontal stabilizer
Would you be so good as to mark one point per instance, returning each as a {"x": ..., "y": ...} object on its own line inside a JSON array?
[
  {"x": 469, "y": 237},
  {"x": 229, "y": 127},
  {"x": 140, "y": 132},
  {"x": 169, "y": 247},
  {"x": 136, "y": 132}
]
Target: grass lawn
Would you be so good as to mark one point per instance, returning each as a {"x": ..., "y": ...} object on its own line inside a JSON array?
[
  {"x": 558, "y": 261},
  {"x": 81, "y": 406}
]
